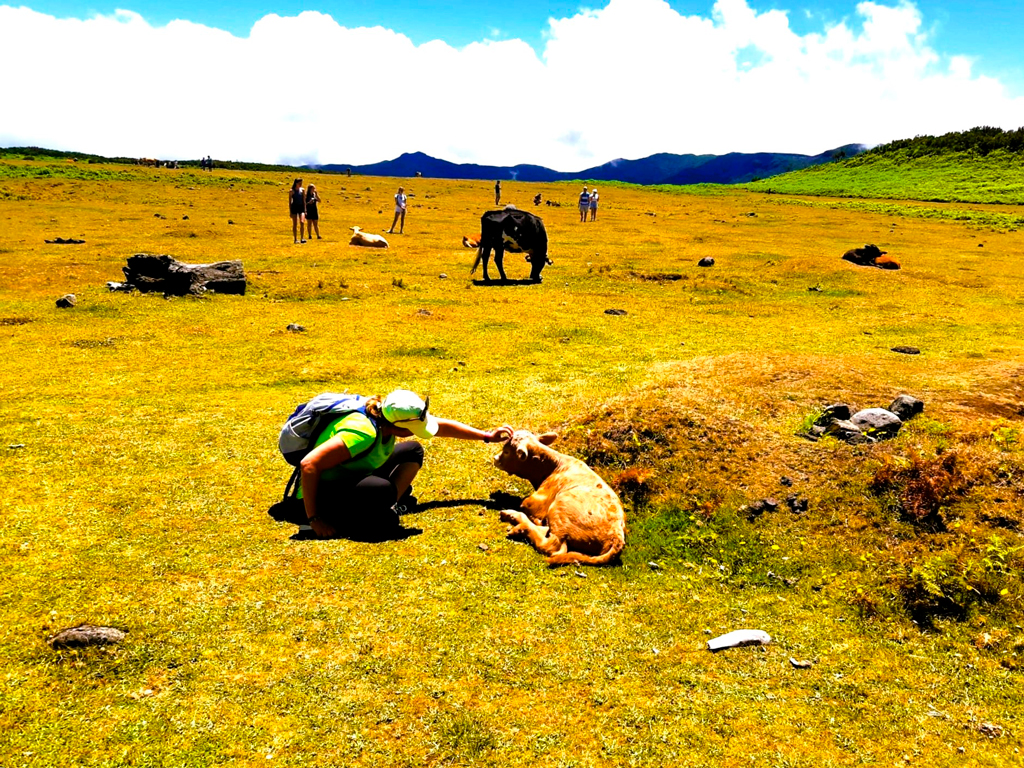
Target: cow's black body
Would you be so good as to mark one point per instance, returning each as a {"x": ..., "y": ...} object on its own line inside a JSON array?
[{"x": 500, "y": 228}]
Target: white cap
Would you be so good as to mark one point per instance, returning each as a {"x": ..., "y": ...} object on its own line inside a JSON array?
[{"x": 405, "y": 409}]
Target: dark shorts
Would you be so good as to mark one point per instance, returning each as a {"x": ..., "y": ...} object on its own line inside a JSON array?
[
  {"x": 360, "y": 502},
  {"x": 297, "y": 211}
]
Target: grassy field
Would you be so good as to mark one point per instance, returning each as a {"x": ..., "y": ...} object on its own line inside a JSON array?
[
  {"x": 139, "y": 462},
  {"x": 997, "y": 177}
]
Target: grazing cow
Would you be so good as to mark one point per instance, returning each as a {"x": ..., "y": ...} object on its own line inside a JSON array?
[
  {"x": 572, "y": 516},
  {"x": 524, "y": 230},
  {"x": 870, "y": 256},
  {"x": 366, "y": 239}
]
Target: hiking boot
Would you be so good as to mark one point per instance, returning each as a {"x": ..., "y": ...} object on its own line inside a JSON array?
[{"x": 406, "y": 504}]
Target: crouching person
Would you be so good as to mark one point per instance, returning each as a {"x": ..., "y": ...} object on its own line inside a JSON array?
[{"x": 358, "y": 477}]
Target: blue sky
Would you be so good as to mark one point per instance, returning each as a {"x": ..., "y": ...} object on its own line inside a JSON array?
[
  {"x": 991, "y": 30},
  {"x": 580, "y": 85}
]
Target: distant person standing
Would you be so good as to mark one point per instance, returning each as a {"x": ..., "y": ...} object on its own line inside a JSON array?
[
  {"x": 593, "y": 203},
  {"x": 584, "y": 203},
  {"x": 209, "y": 163},
  {"x": 297, "y": 209},
  {"x": 312, "y": 213},
  {"x": 497, "y": 192},
  {"x": 400, "y": 204}
]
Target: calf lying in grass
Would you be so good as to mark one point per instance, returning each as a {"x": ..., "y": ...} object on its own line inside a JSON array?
[{"x": 572, "y": 516}]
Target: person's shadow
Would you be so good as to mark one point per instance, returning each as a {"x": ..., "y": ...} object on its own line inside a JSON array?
[{"x": 291, "y": 511}]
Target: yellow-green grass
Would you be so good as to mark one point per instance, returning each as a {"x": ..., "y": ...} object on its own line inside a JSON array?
[{"x": 140, "y": 496}]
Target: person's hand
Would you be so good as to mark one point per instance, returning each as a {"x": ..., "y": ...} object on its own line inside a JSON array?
[
  {"x": 322, "y": 529},
  {"x": 499, "y": 435}
]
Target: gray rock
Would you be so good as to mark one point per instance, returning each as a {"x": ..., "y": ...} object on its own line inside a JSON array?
[
  {"x": 797, "y": 504},
  {"x": 67, "y": 301},
  {"x": 86, "y": 634},
  {"x": 842, "y": 429},
  {"x": 836, "y": 411},
  {"x": 295, "y": 328},
  {"x": 615, "y": 312},
  {"x": 907, "y": 350},
  {"x": 906, "y": 407},
  {"x": 877, "y": 422},
  {"x": 707, "y": 261}
]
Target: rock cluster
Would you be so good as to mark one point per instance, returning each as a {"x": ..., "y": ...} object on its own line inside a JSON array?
[{"x": 867, "y": 426}]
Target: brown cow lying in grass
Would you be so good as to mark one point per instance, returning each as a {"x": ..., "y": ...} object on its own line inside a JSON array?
[
  {"x": 367, "y": 240},
  {"x": 870, "y": 256},
  {"x": 572, "y": 516}
]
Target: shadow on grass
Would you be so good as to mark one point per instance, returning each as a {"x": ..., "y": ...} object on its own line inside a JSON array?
[
  {"x": 291, "y": 511},
  {"x": 500, "y": 283}
]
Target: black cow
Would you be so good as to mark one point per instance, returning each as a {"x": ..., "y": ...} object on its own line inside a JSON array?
[
  {"x": 864, "y": 257},
  {"x": 524, "y": 230}
]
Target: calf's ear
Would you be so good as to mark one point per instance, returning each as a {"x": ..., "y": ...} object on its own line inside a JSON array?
[{"x": 547, "y": 438}]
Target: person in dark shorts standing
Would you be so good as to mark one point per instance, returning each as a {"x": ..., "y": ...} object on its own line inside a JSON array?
[
  {"x": 497, "y": 192},
  {"x": 340, "y": 493},
  {"x": 312, "y": 212},
  {"x": 297, "y": 209}
]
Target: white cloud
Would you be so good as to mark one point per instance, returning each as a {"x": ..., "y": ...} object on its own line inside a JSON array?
[{"x": 632, "y": 78}]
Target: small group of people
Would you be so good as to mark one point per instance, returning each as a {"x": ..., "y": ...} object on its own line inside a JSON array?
[
  {"x": 303, "y": 205},
  {"x": 206, "y": 163},
  {"x": 588, "y": 202},
  {"x": 358, "y": 476}
]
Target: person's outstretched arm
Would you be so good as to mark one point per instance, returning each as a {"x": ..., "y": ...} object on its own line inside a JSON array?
[{"x": 456, "y": 429}]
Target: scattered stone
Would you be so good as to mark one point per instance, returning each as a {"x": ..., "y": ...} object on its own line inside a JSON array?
[
  {"x": 906, "y": 407},
  {"x": 845, "y": 430},
  {"x": 424, "y": 312},
  {"x": 739, "y": 638},
  {"x": 800, "y": 664},
  {"x": 295, "y": 328},
  {"x": 707, "y": 261},
  {"x": 797, "y": 504},
  {"x": 122, "y": 287},
  {"x": 443, "y": 276},
  {"x": 185, "y": 217},
  {"x": 157, "y": 272},
  {"x": 65, "y": 241},
  {"x": 836, "y": 411},
  {"x": 483, "y": 547},
  {"x": 15, "y": 446},
  {"x": 615, "y": 311},
  {"x": 580, "y": 574},
  {"x": 230, "y": 221},
  {"x": 991, "y": 730},
  {"x": 758, "y": 508},
  {"x": 816, "y": 289},
  {"x": 84, "y": 635},
  {"x": 654, "y": 566},
  {"x": 67, "y": 301},
  {"x": 907, "y": 350},
  {"x": 786, "y": 481},
  {"x": 877, "y": 423}
]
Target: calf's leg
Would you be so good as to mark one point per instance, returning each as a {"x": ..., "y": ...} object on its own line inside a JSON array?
[{"x": 539, "y": 535}]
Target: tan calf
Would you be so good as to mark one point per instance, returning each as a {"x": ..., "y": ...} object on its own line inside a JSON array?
[
  {"x": 572, "y": 516},
  {"x": 367, "y": 240}
]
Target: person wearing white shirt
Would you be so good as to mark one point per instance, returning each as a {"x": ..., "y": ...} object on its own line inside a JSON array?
[{"x": 400, "y": 203}]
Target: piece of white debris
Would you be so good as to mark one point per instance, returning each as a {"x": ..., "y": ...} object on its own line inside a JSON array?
[
  {"x": 739, "y": 638},
  {"x": 800, "y": 664}
]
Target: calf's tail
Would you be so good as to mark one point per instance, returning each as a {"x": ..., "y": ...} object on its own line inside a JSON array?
[{"x": 613, "y": 550}]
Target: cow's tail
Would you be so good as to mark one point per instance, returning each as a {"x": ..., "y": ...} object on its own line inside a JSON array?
[
  {"x": 479, "y": 258},
  {"x": 578, "y": 558}
]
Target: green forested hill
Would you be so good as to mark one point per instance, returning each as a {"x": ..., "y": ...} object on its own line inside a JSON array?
[{"x": 979, "y": 166}]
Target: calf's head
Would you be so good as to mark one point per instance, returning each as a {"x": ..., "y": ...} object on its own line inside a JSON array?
[{"x": 523, "y": 455}]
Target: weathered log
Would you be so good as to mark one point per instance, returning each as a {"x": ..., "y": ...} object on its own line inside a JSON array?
[{"x": 158, "y": 272}]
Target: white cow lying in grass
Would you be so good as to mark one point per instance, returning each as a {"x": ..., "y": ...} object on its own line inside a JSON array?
[{"x": 366, "y": 239}]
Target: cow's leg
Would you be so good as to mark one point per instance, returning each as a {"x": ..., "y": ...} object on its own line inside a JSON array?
[
  {"x": 499, "y": 261},
  {"x": 485, "y": 257},
  {"x": 539, "y": 535}
]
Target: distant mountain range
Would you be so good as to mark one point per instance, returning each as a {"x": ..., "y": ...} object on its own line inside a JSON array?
[{"x": 662, "y": 168}]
